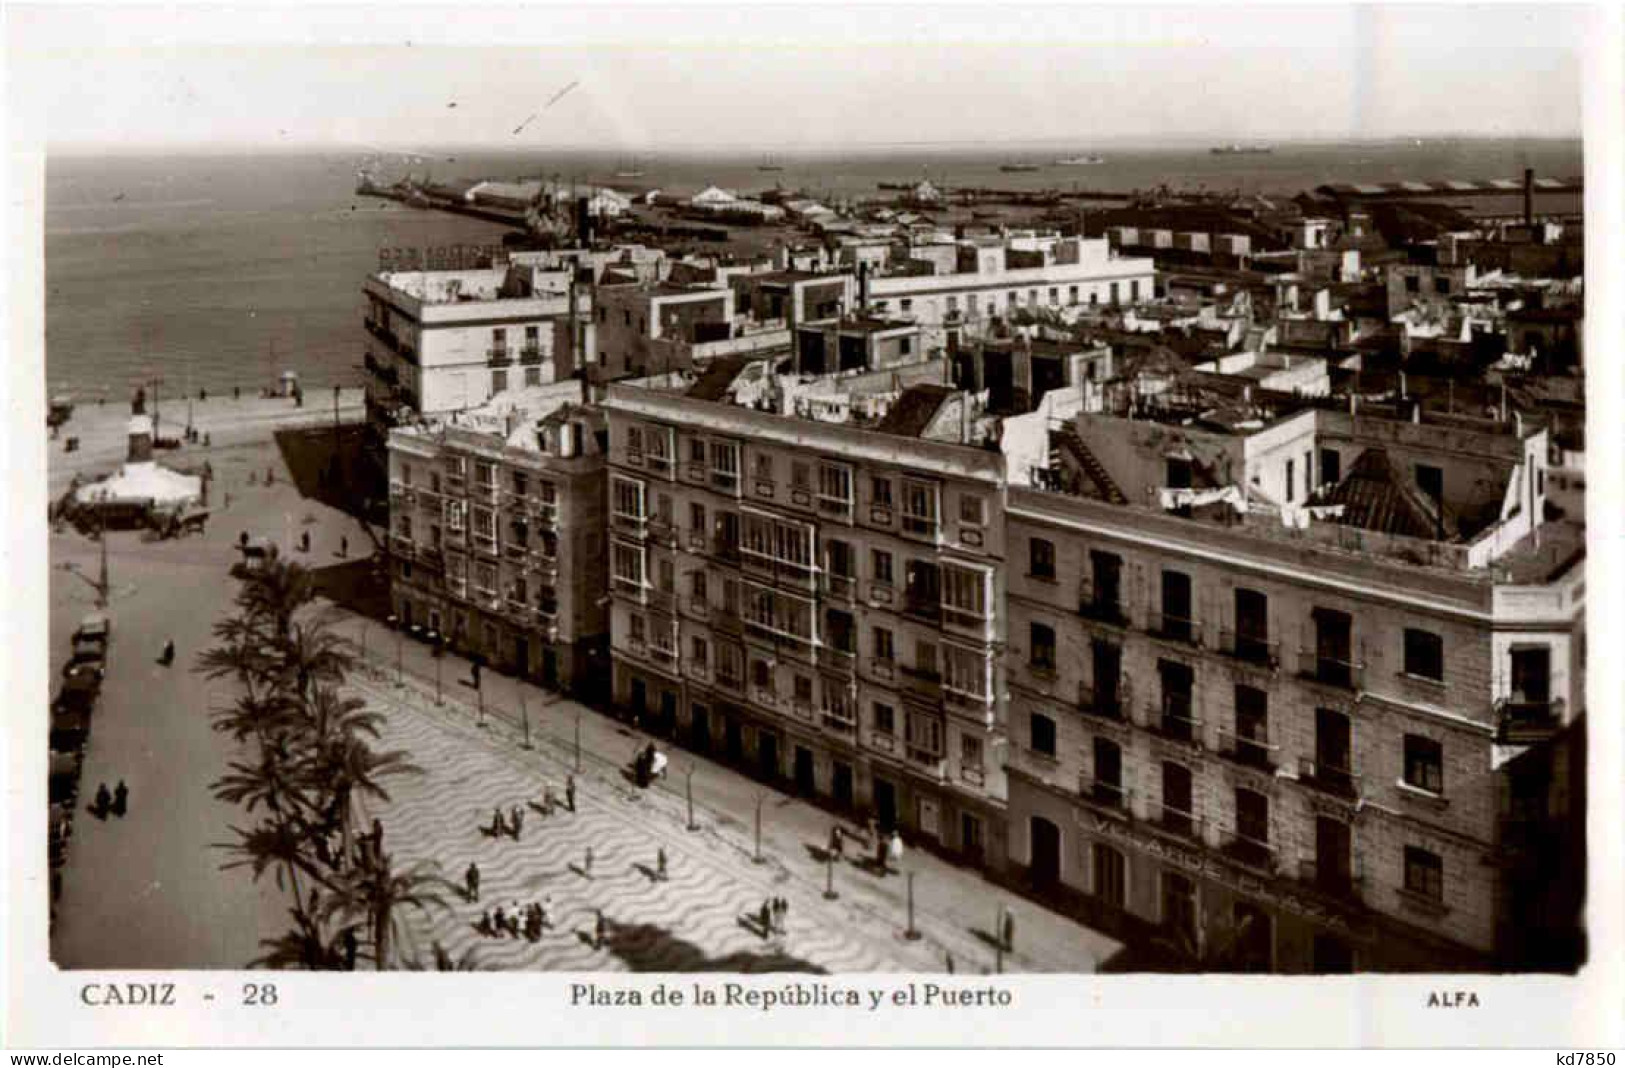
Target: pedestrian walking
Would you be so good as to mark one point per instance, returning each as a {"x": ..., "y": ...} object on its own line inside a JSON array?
[
  {"x": 103, "y": 802},
  {"x": 344, "y": 545},
  {"x": 586, "y": 863},
  {"x": 484, "y": 924},
  {"x": 1009, "y": 931},
  {"x": 121, "y": 799},
  {"x": 896, "y": 849},
  {"x": 472, "y": 879},
  {"x": 513, "y": 919},
  {"x": 570, "y": 792},
  {"x": 599, "y": 930},
  {"x": 236, "y": 393},
  {"x": 304, "y": 542},
  {"x": 837, "y": 841},
  {"x": 499, "y": 922},
  {"x": 167, "y": 657},
  {"x": 517, "y": 821},
  {"x": 784, "y": 915},
  {"x": 270, "y": 476},
  {"x": 880, "y": 854},
  {"x": 547, "y": 799},
  {"x": 767, "y": 918},
  {"x": 950, "y": 964},
  {"x": 352, "y": 949},
  {"x": 497, "y": 826},
  {"x": 660, "y": 863},
  {"x": 242, "y": 540}
]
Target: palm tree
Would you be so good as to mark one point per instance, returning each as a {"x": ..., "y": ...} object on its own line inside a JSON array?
[
  {"x": 375, "y": 891},
  {"x": 344, "y": 766}
]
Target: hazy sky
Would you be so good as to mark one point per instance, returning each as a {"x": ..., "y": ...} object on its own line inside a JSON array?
[{"x": 790, "y": 75}]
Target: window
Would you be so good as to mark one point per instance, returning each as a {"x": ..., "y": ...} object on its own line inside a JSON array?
[
  {"x": 924, "y": 735},
  {"x": 1424, "y": 764},
  {"x": 634, "y": 442},
  {"x": 884, "y": 649},
  {"x": 840, "y": 559},
  {"x": 970, "y": 510},
  {"x": 1041, "y": 558},
  {"x": 919, "y": 507},
  {"x": 634, "y": 629},
  {"x": 626, "y": 564},
  {"x": 1532, "y": 675},
  {"x": 696, "y": 451},
  {"x": 1108, "y": 769},
  {"x": 1252, "y": 816},
  {"x": 880, "y": 492},
  {"x": 1178, "y": 472},
  {"x": 485, "y": 579},
  {"x": 1424, "y": 873},
  {"x": 666, "y": 580},
  {"x": 629, "y": 499},
  {"x": 1331, "y": 467},
  {"x": 964, "y": 672},
  {"x": 1252, "y": 725},
  {"x": 925, "y": 658},
  {"x": 964, "y": 595},
  {"x": 803, "y": 690},
  {"x": 885, "y": 718},
  {"x": 800, "y": 475},
  {"x": 696, "y": 517},
  {"x": 1110, "y": 884},
  {"x": 764, "y": 467},
  {"x": 1290, "y": 470},
  {"x": 521, "y": 484},
  {"x": 1176, "y": 796},
  {"x": 698, "y": 587},
  {"x": 970, "y": 751},
  {"x": 1430, "y": 480},
  {"x": 404, "y": 526},
  {"x": 835, "y": 488},
  {"x": 881, "y": 561},
  {"x": 1071, "y": 294},
  {"x": 724, "y": 464},
  {"x": 1042, "y": 640},
  {"x": 839, "y": 631},
  {"x": 1413, "y": 283},
  {"x": 761, "y": 676},
  {"x": 700, "y": 652},
  {"x": 1041, "y": 734},
  {"x": 499, "y": 381},
  {"x": 1179, "y": 907},
  {"x": 1424, "y": 654},
  {"x": 406, "y": 474}
]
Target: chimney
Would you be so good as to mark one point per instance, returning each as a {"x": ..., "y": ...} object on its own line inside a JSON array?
[{"x": 1529, "y": 196}]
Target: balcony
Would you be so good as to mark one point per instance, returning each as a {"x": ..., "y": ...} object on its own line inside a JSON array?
[
  {"x": 661, "y": 601},
  {"x": 1103, "y": 702},
  {"x": 1172, "y": 720},
  {"x": 631, "y": 588},
  {"x": 1110, "y": 796},
  {"x": 485, "y": 543},
  {"x": 1179, "y": 629},
  {"x": 725, "y": 621},
  {"x": 923, "y": 682},
  {"x": 545, "y": 514},
  {"x": 930, "y": 764},
  {"x": 401, "y": 545},
  {"x": 1248, "y": 849},
  {"x": 883, "y": 667},
  {"x": 1523, "y": 722},
  {"x": 1343, "y": 880},
  {"x": 1338, "y": 672},
  {"x": 882, "y": 742},
  {"x": 1328, "y": 778},
  {"x": 1248, "y": 751},
  {"x": 1250, "y": 648},
  {"x": 839, "y": 724},
  {"x": 844, "y": 661},
  {"x": 530, "y": 354},
  {"x": 662, "y": 531},
  {"x": 499, "y": 357},
  {"x": 726, "y": 481},
  {"x": 835, "y": 507},
  {"x": 516, "y": 551},
  {"x": 925, "y": 609},
  {"x": 518, "y": 607},
  {"x": 730, "y": 679},
  {"x": 1177, "y": 822},
  {"x": 1102, "y": 604},
  {"x": 627, "y": 523},
  {"x": 839, "y": 587}
]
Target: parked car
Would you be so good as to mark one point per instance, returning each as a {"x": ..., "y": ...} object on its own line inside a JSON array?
[
  {"x": 80, "y": 688},
  {"x": 69, "y": 732},
  {"x": 95, "y": 627}
]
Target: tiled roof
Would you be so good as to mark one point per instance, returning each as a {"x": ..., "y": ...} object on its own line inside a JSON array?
[
  {"x": 912, "y": 412},
  {"x": 1377, "y": 495}
]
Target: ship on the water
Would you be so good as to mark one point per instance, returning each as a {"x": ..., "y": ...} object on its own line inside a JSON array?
[
  {"x": 1241, "y": 150},
  {"x": 769, "y": 164},
  {"x": 1080, "y": 161},
  {"x": 1018, "y": 168}
]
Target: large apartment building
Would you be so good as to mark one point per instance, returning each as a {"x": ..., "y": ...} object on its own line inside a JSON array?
[
  {"x": 1294, "y": 688},
  {"x": 444, "y": 341},
  {"x": 807, "y": 579},
  {"x": 496, "y": 533}
]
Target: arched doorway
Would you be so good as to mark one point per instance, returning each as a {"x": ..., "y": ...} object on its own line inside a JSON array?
[{"x": 1045, "y": 841}]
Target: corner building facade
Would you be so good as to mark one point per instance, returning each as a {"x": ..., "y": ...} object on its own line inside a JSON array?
[{"x": 819, "y": 603}]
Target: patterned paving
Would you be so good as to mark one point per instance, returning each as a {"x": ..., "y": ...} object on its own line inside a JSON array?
[{"x": 694, "y": 921}]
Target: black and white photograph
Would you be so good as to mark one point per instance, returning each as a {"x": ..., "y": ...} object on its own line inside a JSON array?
[{"x": 820, "y": 495}]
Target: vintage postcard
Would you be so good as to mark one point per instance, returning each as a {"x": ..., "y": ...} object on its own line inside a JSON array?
[{"x": 812, "y": 526}]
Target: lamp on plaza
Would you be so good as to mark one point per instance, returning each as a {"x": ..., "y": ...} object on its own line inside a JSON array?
[
  {"x": 578, "y": 741},
  {"x": 911, "y": 932},
  {"x": 439, "y": 653},
  {"x": 830, "y": 893},
  {"x": 689, "y": 790},
  {"x": 524, "y": 715},
  {"x": 400, "y": 655},
  {"x": 479, "y": 691},
  {"x": 757, "y": 857}
]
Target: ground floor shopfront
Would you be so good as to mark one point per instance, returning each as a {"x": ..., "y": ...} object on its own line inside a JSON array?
[
  {"x": 1154, "y": 888},
  {"x": 813, "y": 760}
]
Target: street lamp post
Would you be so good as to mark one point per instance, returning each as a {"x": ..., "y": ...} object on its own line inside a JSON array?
[
  {"x": 758, "y": 857},
  {"x": 911, "y": 933},
  {"x": 578, "y": 741},
  {"x": 400, "y": 653},
  {"x": 689, "y": 790},
  {"x": 524, "y": 716},
  {"x": 830, "y": 893},
  {"x": 439, "y": 655}
]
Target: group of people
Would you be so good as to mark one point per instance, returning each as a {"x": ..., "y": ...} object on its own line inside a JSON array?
[
  {"x": 773, "y": 916},
  {"x": 517, "y": 921},
  {"x": 116, "y": 803},
  {"x": 649, "y": 764},
  {"x": 511, "y": 826}
]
